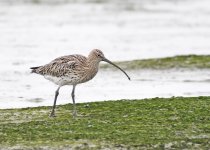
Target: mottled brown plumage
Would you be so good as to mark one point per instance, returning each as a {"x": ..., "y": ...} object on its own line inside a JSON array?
[{"x": 72, "y": 70}]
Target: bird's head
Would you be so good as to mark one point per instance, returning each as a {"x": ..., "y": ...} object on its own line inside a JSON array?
[{"x": 97, "y": 55}]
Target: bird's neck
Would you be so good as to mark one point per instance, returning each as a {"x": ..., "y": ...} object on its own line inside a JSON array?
[
  {"x": 91, "y": 70},
  {"x": 93, "y": 65},
  {"x": 93, "y": 62}
]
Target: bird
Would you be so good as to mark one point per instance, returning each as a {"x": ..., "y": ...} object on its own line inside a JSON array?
[{"x": 72, "y": 70}]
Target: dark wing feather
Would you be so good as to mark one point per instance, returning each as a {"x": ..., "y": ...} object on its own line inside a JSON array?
[{"x": 61, "y": 65}]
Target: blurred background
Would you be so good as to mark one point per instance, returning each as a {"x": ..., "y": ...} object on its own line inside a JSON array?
[{"x": 34, "y": 32}]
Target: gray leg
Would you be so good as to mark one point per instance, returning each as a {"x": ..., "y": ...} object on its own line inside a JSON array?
[
  {"x": 73, "y": 99},
  {"x": 52, "y": 114}
]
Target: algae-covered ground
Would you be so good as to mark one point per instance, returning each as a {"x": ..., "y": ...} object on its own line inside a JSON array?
[
  {"x": 185, "y": 61},
  {"x": 158, "y": 123}
]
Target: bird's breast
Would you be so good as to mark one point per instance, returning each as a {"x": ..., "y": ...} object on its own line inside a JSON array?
[{"x": 89, "y": 74}]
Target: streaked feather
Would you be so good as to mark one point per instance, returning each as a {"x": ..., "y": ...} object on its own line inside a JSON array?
[{"x": 70, "y": 69}]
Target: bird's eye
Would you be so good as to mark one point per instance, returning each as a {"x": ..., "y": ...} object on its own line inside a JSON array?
[{"x": 99, "y": 55}]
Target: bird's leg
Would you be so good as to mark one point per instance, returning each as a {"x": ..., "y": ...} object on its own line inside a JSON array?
[
  {"x": 52, "y": 114},
  {"x": 73, "y": 99}
]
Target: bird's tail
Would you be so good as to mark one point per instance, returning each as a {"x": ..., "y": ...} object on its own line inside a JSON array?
[{"x": 34, "y": 69}]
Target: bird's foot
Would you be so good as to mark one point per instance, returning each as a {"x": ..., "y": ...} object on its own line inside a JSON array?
[
  {"x": 76, "y": 115},
  {"x": 52, "y": 115}
]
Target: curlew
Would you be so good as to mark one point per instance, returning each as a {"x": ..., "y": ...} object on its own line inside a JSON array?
[{"x": 72, "y": 70}]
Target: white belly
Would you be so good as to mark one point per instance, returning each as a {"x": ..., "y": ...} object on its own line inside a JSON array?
[{"x": 64, "y": 80}]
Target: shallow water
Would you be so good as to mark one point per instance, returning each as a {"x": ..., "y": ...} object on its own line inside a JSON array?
[
  {"x": 35, "y": 33},
  {"x": 33, "y": 90}
]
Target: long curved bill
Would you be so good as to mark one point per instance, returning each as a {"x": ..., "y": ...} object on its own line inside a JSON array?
[{"x": 108, "y": 61}]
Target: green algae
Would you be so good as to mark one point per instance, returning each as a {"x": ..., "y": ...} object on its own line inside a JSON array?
[
  {"x": 175, "y": 122},
  {"x": 186, "y": 61}
]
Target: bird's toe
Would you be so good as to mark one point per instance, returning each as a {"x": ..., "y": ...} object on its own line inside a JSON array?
[{"x": 52, "y": 115}]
